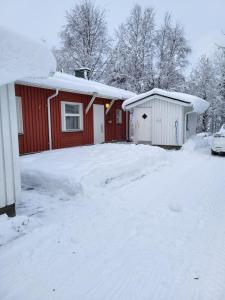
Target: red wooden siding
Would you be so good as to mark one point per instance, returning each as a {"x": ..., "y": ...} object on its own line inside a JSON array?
[
  {"x": 62, "y": 139},
  {"x": 35, "y": 120}
]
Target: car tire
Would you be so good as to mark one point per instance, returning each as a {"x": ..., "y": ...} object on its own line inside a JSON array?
[{"x": 213, "y": 152}]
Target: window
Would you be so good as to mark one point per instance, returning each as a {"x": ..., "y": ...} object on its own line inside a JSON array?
[
  {"x": 72, "y": 116},
  {"x": 118, "y": 116},
  {"x": 19, "y": 115}
]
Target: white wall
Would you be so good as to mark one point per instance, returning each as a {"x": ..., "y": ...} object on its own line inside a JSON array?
[
  {"x": 164, "y": 115},
  {"x": 191, "y": 125},
  {"x": 9, "y": 162}
]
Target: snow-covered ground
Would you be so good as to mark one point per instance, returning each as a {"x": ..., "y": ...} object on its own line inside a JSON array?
[{"x": 117, "y": 221}]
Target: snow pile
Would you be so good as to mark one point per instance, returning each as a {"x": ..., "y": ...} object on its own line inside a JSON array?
[
  {"x": 21, "y": 57},
  {"x": 200, "y": 142},
  {"x": 199, "y": 105},
  {"x": 74, "y": 84},
  {"x": 67, "y": 172},
  {"x": 49, "y": 182}
]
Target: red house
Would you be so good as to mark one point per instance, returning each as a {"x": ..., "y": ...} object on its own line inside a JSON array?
[{"x": 65, "y": 111}]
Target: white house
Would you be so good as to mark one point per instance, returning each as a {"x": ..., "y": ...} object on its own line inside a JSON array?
[
  {"x": 164, "y": 118},
  {"x": 19, "y": 57}
]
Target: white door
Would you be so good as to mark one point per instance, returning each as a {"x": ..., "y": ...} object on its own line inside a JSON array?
[
  {"x": 99, "y": 123},
  {"x": 142, "y": 125}
]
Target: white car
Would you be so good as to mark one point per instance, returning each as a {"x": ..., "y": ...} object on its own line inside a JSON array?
[{"x": 218, "y": 142}]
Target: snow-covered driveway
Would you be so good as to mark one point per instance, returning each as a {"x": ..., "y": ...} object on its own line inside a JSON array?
[{"x": 117, "y": 222}]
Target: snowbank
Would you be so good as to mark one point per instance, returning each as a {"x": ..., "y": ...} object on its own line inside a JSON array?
[
  {"x": 199, "y": 105},
  {"x": 21, "y": 57},
  {"x": 74, "y": 84},
  {"x": 67, "y": 172},
  {"x": 200, "y": 142}
]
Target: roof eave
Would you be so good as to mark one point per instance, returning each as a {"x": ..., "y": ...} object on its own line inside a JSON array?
[
  {"x": 102, "y": 96},
  {"x": 149, "y": 97}
]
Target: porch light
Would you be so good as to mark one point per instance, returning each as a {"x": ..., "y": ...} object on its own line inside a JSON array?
[{"x": 107, "y": 105}]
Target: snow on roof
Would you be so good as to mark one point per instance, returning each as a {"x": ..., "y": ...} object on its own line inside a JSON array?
[
  {"x": 70, "y": 83},
  {"x": 199, "y": 105},
  {"x": 21, "y": 57}
]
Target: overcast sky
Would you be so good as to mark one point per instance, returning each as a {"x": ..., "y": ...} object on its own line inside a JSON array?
[{"x": 203, "y": 20}]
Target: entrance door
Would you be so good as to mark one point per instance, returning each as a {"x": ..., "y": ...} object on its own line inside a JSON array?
[
  {"x": 99, "y": 123},
  {"x": 142, "y": 125}
]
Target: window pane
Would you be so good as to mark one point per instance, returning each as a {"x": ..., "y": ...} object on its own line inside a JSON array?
[
  {"x": 72, "y": 123},
  {"x": 72, "y": 109},
  {"x": 118, "y": 116}
]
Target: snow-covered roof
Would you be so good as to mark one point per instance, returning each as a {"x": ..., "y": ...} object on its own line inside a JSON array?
[
  {"x": 199, "y": 105},
  {"x": 21, "y": 57},
  {"x": 70, "y": 83}
]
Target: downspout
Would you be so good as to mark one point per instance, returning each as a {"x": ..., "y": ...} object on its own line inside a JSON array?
[
  {"x": 49, "y": 118},
  {"x": 127, "y": 126},
  {"x": 127, "y": 123}
]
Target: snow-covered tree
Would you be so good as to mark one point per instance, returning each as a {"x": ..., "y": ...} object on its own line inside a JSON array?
[
  {"x": 171, "y": 55},
  {"x": 144, "y": 58},
  {"x": 219, "y": 62},
  {"x": 131, "y": 61},
  {"x": 203, "y": 83},
  {"x": 84, "y": 39}
]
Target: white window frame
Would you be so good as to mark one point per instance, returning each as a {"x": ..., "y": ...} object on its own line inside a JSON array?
[
  {"x": 19, "y": 112},
  {"x": 64, "y": 115},
  {"x": 119, "y": 120}
]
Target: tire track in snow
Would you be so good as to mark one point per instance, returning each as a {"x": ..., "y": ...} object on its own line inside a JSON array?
[
  {"x": 196, "y": 248},
  {"x": 130, "y": 244}
]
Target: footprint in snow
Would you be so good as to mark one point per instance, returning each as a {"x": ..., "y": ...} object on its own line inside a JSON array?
[{"x": 175, "y": 207}]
